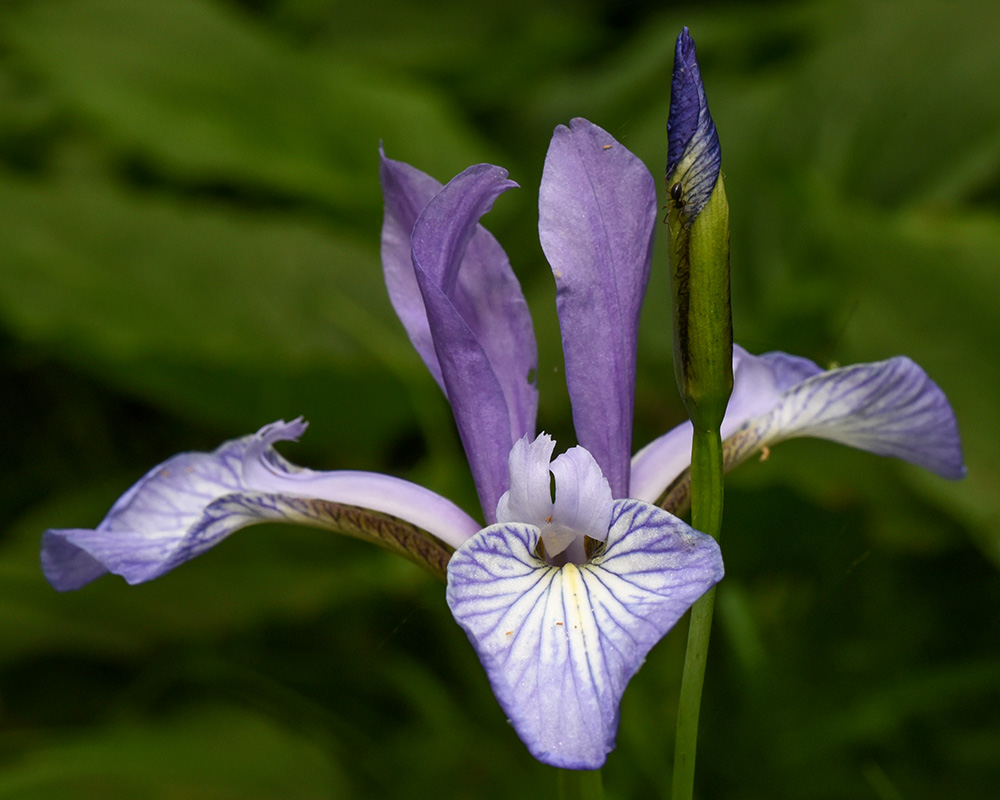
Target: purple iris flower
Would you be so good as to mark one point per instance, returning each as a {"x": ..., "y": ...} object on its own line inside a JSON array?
[{"x": 562, "y": 593}]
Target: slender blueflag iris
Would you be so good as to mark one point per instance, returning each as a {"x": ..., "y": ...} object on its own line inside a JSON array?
[{"x": 561, "y": 594}]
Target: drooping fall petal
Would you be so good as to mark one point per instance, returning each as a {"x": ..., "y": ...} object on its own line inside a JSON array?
[
  {"x": 890, "y": 408},
  {"x": 559, "y": 644},
  {"x": 193, "y": 501}
]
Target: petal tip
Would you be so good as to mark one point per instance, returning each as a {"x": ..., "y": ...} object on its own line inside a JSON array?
[
  {"x": 65, "y": 566},
  {"x": 693, "y": 149}
]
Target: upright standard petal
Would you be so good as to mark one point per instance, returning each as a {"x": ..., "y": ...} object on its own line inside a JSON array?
[
  {"x": 192, "y": 501},
  {"x": 597, "y": 213},
  {"x": 480, "y": 326},
  {"x": 485, "y": 289},
  {"x": 559, "y": 644},
  {"x": 406, "y": 191}
]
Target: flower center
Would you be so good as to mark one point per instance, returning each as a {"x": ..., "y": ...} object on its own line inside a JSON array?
[{"x": 580, "y": 506}]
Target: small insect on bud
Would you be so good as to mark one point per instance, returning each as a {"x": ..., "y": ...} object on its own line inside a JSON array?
[{"x": 677, "y": 194}]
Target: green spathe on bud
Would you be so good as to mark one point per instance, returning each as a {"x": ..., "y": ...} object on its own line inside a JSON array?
[
  {"x": 698, "y": 220},
  {"x": 703, "y": 321}
]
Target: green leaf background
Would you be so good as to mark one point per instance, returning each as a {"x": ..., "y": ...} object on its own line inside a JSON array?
[{"x": 189, "y": 219}]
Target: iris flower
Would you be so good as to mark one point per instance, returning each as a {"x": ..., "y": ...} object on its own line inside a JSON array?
[{"x": 562, "y": 594}]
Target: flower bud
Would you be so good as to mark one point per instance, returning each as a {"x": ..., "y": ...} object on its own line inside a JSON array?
[{"x": 698, "y": 221}]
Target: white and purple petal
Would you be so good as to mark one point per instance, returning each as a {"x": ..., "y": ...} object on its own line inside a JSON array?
[
  {"x": 582, "y": 504},
  {"x": 597, "y": 214},
  {"x": 480, "y": 327},
  {"x": 192, "y": 501},
  {"x": 559, "y": 644},
  {"x": 529, "y": 498},
  {"x": 890, "y": 408}
]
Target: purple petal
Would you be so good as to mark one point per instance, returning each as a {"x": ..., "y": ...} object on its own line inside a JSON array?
[
  {"x": 890, "y": 408},
  {"x": 193, "y": 501},
  {"x": 661, "y": 462},
  {"x": 760, "y": 381},
  {"x": 559, "y": 644},
  {"x": 480, "y": 326},
  {"x": 597, "y": 213},
  {"x": 694, "y": 156},
  {"x": 406, "y": 191}
]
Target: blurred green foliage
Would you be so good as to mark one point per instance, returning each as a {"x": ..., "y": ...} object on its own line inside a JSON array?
[{"x": 189, "y": 217}]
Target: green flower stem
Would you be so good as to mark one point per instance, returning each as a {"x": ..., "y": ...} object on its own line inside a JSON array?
[
  {"x": 579, "y": 785},
  {"x": 706, "y": 516}
]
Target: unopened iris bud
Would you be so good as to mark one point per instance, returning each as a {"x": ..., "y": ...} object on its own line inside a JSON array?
[{"x": 698, "y": 219}]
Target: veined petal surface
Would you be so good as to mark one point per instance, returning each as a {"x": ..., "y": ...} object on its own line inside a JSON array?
[
  {"x": 480, "y": 327},
  {"x": 192, "y": 501},
  {"x": 891, "y": 408},
  {"x": 559, "y": 644},
  {"x": 597, "y": 214},
  {"x": 694, "y": 156}
]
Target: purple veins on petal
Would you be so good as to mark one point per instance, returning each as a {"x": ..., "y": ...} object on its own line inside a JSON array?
[
  {"x": 597, "y": 215},
  {"x": 559, "y": 644},
  {"x": 694, "y": 156},
  {"x": 890, "y": 408}
]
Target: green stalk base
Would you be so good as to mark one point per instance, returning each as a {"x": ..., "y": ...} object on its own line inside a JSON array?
[{"x": 706, "y": 516}]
